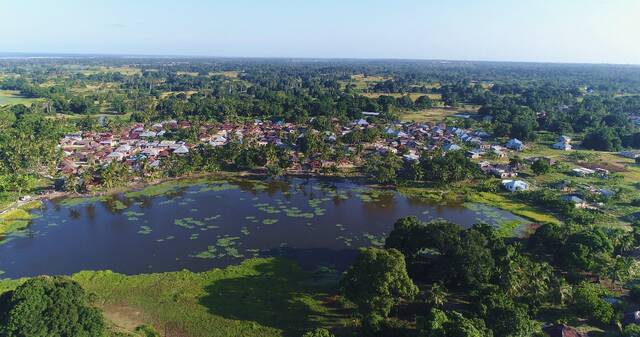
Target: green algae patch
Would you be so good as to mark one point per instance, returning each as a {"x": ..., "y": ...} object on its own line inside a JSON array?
[
  {"x": 429, "y": 196},
  {"x": 222, "y": 186},
  {"x": 18, "y": 218},
  {"x": 119, "y": 205},
  {"x": 144, "y": 230},
  {"x": 155, "y": 190},
  {"x": 77, "y": 201},
  {"x": 210, "y": 253},
  {"x": 228, "y": 244},
  {"x": 507, "y": 229},
  {"x": 374, "y": 240},
  {"x": 345, "y": 240},
  {"x": 133, "y": 214},
  {"x": 269, "y": 221},
  {"x": 188, "y": 223}
]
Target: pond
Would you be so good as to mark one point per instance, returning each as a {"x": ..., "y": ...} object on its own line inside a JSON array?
[{"x": 206, "y": 223}]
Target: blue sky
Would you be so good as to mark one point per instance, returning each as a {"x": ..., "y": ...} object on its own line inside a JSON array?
[{"x": 598, "y": 31}]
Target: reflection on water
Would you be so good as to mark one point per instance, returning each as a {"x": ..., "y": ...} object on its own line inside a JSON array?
[{"x": 202, "y": 224}]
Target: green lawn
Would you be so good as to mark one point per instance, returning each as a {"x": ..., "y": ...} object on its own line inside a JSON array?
[
  {"x": 436, "y": 114},
  {"x": 513, "y": 206},
  {"x": 13, "y": 97}
]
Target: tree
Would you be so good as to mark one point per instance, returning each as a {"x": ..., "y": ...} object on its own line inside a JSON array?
[
  {"x": 437, "y": 295},
  {"x": 382, "y": 168},
  {"x": 588, "y": 301},
  {"x": 319, "y": 332},
  {"x": 432, "y": 325},
  {"x": 423, "y": 102},
  {"x": 506, "y": 318},
  {"x": 410, "y": 236},
  {"x": 589, "y": 250},
  {"x": 377, "y": 281},
  {"x": 471, "y": 262},
  {"x": 451, "y": 167},
  {"x": 540, "y": 167},
  {"x": 50, "y": 306},
  {"x": 460, "y": 326},
  {"x": 602, "y": 139}
]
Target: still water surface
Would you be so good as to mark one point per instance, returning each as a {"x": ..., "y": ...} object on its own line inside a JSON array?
[{"x": 201, "y": 224}]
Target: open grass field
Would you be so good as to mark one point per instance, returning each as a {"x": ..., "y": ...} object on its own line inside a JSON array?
[
  {"x": 260, "y": 297},
  {"x": 517, "y": 208},
  {"x": 13, "y": 97},
  {"x": 436, "y": 114},
  {"x": 229, "y": 74},
  {"x": 169, "y": 93},
  {"x": 624, "y": 178},
  {"x": 125, "y": 70},
  {"x": 413, "y": 95},
  {"x": 362, "y": 82},
  {"x": 187, "y": 73},
  {"x": 365, "y": 78}
]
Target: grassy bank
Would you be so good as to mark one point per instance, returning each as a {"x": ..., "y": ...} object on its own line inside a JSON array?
[
  {"x": 260, "y": 297},
  {"x": 515, "y": 207}
]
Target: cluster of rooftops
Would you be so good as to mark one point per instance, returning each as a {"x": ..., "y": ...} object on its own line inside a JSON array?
[{"x": 152, "y": 142}]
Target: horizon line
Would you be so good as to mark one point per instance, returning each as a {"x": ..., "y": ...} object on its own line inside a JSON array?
[{"x": 62, "y": 55}]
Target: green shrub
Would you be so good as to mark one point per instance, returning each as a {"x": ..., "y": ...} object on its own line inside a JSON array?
[
  {"x": 320, "y": 332},
  {"x": 631, "y": 330},
  {"x": 147, "y": 331}
]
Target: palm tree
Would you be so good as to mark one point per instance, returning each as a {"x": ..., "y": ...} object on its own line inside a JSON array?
[{"x": 437, "y": 295}]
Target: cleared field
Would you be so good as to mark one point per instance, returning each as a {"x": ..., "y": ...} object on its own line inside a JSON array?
[
  {"x": 436, "y": 114},
  {"x": 96, "y": 70},
  {"x": 229, "y": 74},
  {"x": 413, "y": 95},
  {"x": 187, "y": 73},
  {"x": 169, "y": 93},
  {"x": 365, "y": 78},
  {"x": 13, "y": 97}
]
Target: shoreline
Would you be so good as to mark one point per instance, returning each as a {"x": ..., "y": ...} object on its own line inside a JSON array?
[
  {"x": 138, "y": 184},
  {"x": 426, "y": 192}
]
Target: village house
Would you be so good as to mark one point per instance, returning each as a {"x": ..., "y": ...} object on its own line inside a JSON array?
[
  {"x": 582, "y": 171},
  {"x": 515, "y": 185},
  {"x": 515, "y": 144},
  {"x": 474, "y": 154},
  {"x": 450, "y": 147},
  {"x": 563, "y": 143},
  {"x": 503, "y": 171},
  {"x": 575, "y": 200},
  {"x": 630, "y": 154}
]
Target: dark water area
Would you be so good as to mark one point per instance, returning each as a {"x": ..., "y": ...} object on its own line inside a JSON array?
[{"x": 202, "y": 224}]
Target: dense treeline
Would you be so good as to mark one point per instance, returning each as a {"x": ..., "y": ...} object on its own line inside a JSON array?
[{"x": 499, "y": 286}]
